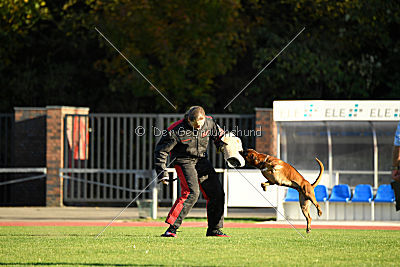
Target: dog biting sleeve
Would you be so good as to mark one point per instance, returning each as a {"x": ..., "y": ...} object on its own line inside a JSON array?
[{"x": 232, "y": 146}]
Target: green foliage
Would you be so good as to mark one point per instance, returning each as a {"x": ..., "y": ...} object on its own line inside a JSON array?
[
  {"x": 131, "y": 246},
  {"x": 49, "y": 58},
  {"x": 195, "y": 52},
  {"x": 20, "y": 16},
  {"x": 178, "y": 45},
  {"x": 349, "y": 50}
]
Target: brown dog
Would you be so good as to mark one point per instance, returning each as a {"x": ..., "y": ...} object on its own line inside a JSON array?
[{"x": 281, "y": 173}]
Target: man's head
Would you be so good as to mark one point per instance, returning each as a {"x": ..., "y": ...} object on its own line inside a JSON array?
[{"x": 196, "y": 117}]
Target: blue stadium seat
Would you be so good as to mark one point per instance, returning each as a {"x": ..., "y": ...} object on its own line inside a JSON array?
[
  {"x": 363, "y": 193},
  {"x": 340, "y": 193},
  {"x": 292, "y": 195},
  {"x": 385, "y": 193},
  {"x": 321, "y": 193}
]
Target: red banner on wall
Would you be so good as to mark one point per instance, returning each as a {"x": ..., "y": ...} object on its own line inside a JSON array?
[{"x": 78, "y": 136}]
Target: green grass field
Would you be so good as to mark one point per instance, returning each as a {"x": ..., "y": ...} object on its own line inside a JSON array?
[{"x": 133, "y": 246}]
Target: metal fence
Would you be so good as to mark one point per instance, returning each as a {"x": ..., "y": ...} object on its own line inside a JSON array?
[{"x": 109, "y": 157}]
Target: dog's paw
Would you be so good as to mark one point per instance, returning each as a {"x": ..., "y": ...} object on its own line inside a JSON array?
[
  {"x": 319, "y": 213},
  {"x": 264, "y": 186}
]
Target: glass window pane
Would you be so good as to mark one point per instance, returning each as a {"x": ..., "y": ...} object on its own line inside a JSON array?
[
  {"x": 352, "y": 150},
  {"x": 301, "y": 142},
  {"x": 385, "y": 134}
]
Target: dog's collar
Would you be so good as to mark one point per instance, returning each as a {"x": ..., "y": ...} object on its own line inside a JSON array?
[{"x": 265, "y": 161}]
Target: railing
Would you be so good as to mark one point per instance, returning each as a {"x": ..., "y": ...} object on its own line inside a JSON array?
[
  {"x": 23, "y": 170},
  {"x": 13, "y": 192},
  {"x": 96, "y": 185},
  {"x": 357, "y": 177},
  {"x": 360, "y": 172}
]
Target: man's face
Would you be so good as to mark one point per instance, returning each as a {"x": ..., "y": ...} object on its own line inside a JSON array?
[{"x": 198, "y": 123}]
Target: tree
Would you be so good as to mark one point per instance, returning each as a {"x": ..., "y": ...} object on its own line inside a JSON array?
[
  {"x": 349, "y": 50},
  {"x": 195, "y": 52},
  {"x": 49, "y": 56},
  {"x": 181, "y": 46}
]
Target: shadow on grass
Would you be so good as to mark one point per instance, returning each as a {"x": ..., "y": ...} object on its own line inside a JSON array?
[
  {"x": 249, "y": 220},
  {"x": 199, "y": 219},
  {"x": 233, "y": 220},
  {"x": 48, "y": 235}
]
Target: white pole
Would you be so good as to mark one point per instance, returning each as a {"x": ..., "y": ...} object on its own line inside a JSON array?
[
  {"x": 279, "y": 201},
  {"x": 154, "y": 203},
  {"x": 174, "y": 188},
  {"x": 226, "y": 192},
  {"x": 375, "y": 142}
]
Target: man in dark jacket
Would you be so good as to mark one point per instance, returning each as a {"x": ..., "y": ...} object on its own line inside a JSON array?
[
  {"x": 186, "y": 141},
  {"x": 396, "y": 167}
]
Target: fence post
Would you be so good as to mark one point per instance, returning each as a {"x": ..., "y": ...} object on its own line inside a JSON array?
[
  {"x": 155, "y": 197},
  {"x": 336, "y": 178},
  {"x": 55, "y": 150},
  {"x": 279, "y": 204},
  {"x": 225, "y": 181},
  {"x": 174, "y": 188},
  {"x": 267, "y": 141}
]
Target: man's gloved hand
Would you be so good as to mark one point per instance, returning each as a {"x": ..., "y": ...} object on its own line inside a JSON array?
[
  {"x": 396, "y": 175},
  {"x": 220, "y": 146},
  {"x": 164, "y": 179}
]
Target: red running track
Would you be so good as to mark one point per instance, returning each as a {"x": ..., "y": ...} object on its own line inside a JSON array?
[{"x": 194, "y": 224}]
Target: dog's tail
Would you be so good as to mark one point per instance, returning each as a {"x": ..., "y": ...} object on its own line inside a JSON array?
[{"x": 321, "y": 170}]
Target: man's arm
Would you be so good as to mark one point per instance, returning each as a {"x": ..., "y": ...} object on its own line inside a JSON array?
[
  {"x": 217, "y": 135},
  {"x": 396, "y": 163},
  {"x": 163, "y": 147},
  {"x": 396, "y": 155}
]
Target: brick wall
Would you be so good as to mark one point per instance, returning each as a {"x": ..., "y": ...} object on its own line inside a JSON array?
[
  {"x": 266, "y": 143},
  {"x": 39, "y": 142},
  {"x": 29, "y": 151},
  {"x": 30, "y": 137}
]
